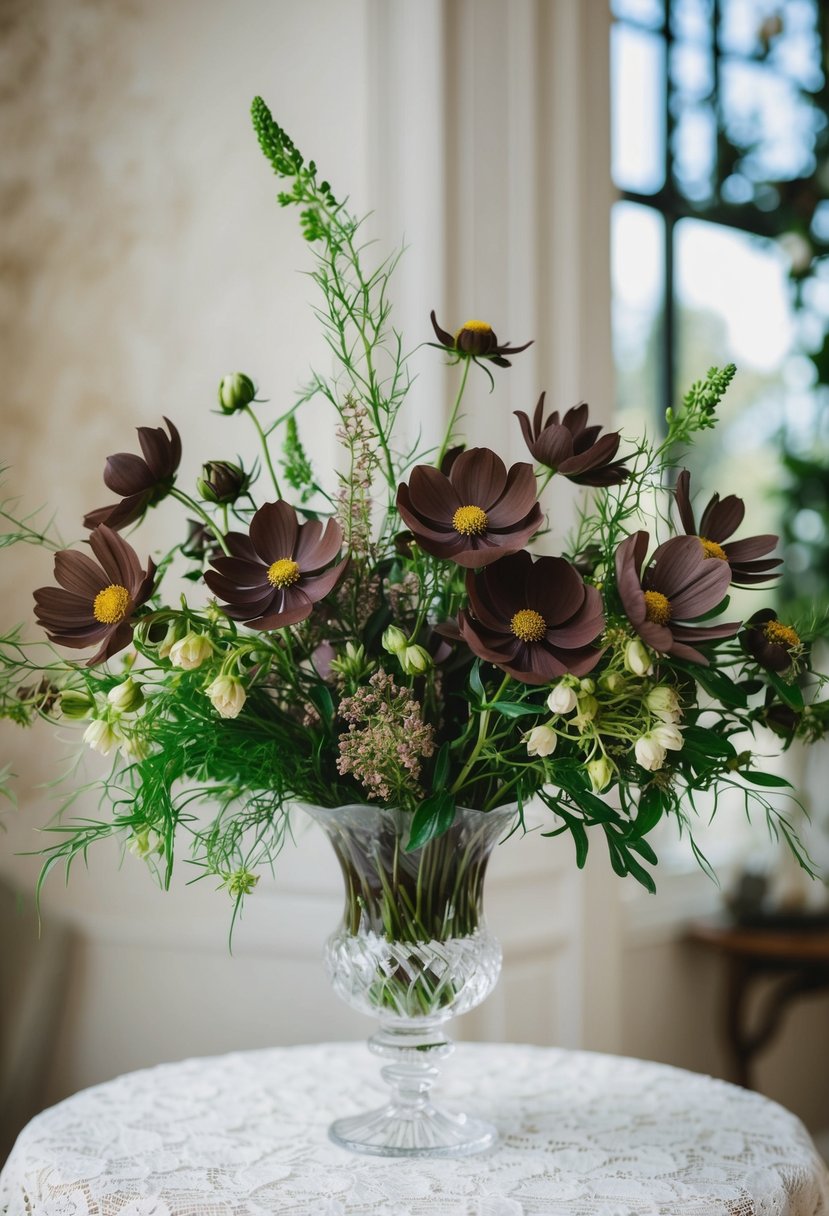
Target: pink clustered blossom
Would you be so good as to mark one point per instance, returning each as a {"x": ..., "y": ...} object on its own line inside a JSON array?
[{"x": 387, "y": 739}]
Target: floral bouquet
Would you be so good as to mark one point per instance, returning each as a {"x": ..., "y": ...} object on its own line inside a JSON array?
[
  {"x": 398, "y": 651},
  {"x": 391, "y": 640}
]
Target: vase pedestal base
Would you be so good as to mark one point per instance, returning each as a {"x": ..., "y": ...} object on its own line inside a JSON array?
[{"x": 395, "y": 1132}]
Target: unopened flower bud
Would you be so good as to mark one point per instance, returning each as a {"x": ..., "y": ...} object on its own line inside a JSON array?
[
  {"x": 235, "y": 392},
  {"x": 562, "y": 700},
  {"x": 76, "y": 704},
  {"x": 650, "y": 754},
  {"x": 394, "y": 640},
  {"x": 541, "y": 741},
  {"x": 169, "y": 640},
  {"x": 222, "y": 482},
  {"x": 415, "y": 660},
  {"x": 600, "y": 772},
  {"x": 191, "y": 651},
  {"x": 663, "y": 702},
  {"x": 612, "y": 681},
  {"x": 587, "y": 685},
  {"x": 134, "y": 748},
  {"x": 126, "y": 696},
  {"x": 241, "y": 882},
  {"x": 637, "y": 659},
  {"x": 227, "y": 695},
  {"x": 668, "y": 736},
  {"x": 588, "y": 707},
  {"x": 102, "y": 736}
]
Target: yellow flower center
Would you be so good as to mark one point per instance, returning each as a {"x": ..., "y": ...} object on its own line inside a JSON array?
[
  {"x": 111, "y": 605},
  {"x": 470, "y": 521},
  {"x": 283, "y": 573},
  {"x": 475, "y": 327},
  {"x": 528, "y": 625},
  {"x": 657, "y": 607},
  {"x": 712, "y": 549},
  {"x": 781, "y": 635}
]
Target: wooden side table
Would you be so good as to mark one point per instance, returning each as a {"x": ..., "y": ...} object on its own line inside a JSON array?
[{"x": 796, "y": 959}]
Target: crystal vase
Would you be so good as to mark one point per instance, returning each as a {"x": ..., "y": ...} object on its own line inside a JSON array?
[{"x": 413, "y": 950}]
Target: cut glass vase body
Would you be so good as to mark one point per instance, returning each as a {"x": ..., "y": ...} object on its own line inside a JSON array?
[{"x": 414, "y": 951}]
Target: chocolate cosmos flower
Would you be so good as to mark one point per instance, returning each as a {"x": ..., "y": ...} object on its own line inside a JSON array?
[
  {"x": 573, "y": 448},
  {"x": 773, "y": 644},
  {"x": 534, "y": 620},
  {"x": 719, "y": 520},
  {"x": 275, "y": 575},
  {"x": 678, "y": 584},
  {"x": 480, "y": 512},
  {"x": 476, "y": 340},
  {"x": 96, "y": 600},
  {"x": 141, "y": 483}
]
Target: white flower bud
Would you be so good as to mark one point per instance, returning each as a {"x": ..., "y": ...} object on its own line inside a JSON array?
[
  {"x": 668, "y": 736},
  {"x": 612, "y": 681},
  {"x": 126, "y": 696},
  {"x": 650, "y": 754},
  {"x": 415, "y": 660},
  {"x": 191, "y": 651},
  {"x": 663, "y": 702},
  {"x": 235, "y": 392},
  {"x": 588, "y": 707},
  {"x": 227, "y": 695},
  {"x": 76, "y": 704},
  {"x": 600, "y": 772},
  {"x": 562, "y": 700},
  {"x": 168, "y": 641},
  {"x": 394, "y": 640},
  {"x": 134, "y": 748},
  {"x": 637, "y": 659},
  {"x": 102, "y": 736},
  {"x": 587, "y": 685},
  {"x": 541, "y": 741}
]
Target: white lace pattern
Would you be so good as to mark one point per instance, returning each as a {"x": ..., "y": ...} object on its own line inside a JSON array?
[{"x": 581, "y": 1135}]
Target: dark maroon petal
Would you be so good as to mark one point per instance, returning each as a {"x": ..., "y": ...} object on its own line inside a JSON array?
[
  {"x": 442, "y": 336},
  {"x": 62, "y": 605},
  {"x": 708, "y": 590},
  {"x": 688, "y": 653},
  {"x": 120, "y": 514},
  {"x": 240, "y": 545},
  {"x": 553, "y": 445},
  {"x": 750, "y": 548},
  {"x": 116, "y": 557},
  {"x": 118, "y": 639},
  {"x": 295, "y": 607},
  {"x": 174, "y": 458},
  {"x": 506, "y": 349},
  {"x": 273, "y": 531},
  {"x": 240, "y": 573},
  {"x": 586, "y": 438},
  {"x": 526, "y": 428},
  {"x": 433, "y": 495},
  {"x": 503, "y": 589},
  {"x": 517, "y": 500},
  {"x": 580, "y": 661},
  {"x": 555, "y": 589},
  {"x": 479, "y": 476},
  {"x": 608, "y": 475},
  {"x": 233, "y": 592},
  {"x": 701, "y": 633},
  {"x": 319, "y": 585},
  {"x": 602, "y": 452},
  {"x": 658, "y": 637},
  {"x": 748, "y": 576},
  {"x": 682, "y": 497},
  {"x": 629, "y": 558},
  {"x": 314, "y": 551},
  {"x": 583, "y": 627},
  {"x": 77, "y": 638},
  {"x": 423, "y": 529},
  {"x": 491, "y": 547},
  {"x": 538, "y": 416},
  {"x": 78, "y": 573},
  {"x": 576, "y": 418},
  {"x": 675, "y": 565},
  {"x": 126, "y": 474},
  {"x": 721, "y": 519}
]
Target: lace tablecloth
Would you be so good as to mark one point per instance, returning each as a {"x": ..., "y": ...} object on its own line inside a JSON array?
[{"x": 581, "y": 1135}]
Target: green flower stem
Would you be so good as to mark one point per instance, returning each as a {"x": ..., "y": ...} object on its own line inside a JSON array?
[
  {"x": 264, "y": 441},
  {"x": 181, "y": 497},
  {"x": 447, "y": 438},
  {"x": 483, "y": 724}
]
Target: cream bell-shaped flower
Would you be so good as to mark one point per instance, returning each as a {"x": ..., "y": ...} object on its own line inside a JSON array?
[
  {"x": 227, "y": 696},
  {"x": 637, "y": 658},
  {"x": 669, "y": 737},
  {"x": 126, "y": 696},
  {"x": 649, "y": 753},
  {"x": 562, "y": 700},
  {"x": 663, "y": 702},
  {"x": 541, "y": 741},
  {"x": 102, "y": 736},
  {"x": 193, "y": 650}
]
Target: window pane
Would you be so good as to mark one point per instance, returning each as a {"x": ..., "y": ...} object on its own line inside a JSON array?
[
  {"x": 638, "y": 113},
  {"x": 643, "y": 12},
  {"x": 638, "y": 267}
]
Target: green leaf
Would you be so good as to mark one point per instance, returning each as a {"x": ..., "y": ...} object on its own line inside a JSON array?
[
  {"x": 649, "y": 812},
  {"x": 511, "y": 710},
  {"x": 767, "y": 779},
  {"x": 720, "y": 687},
  {"x": 708, "y": 742},
  {"x": 434, "y": 815},
  {"x": 790, "y": 694},
  {"x": 475, "y": 681},
  {"x": 322, "y": 700},
  {"x": 441, "y": 774}
]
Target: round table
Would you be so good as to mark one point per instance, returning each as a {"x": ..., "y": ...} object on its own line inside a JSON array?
[{"x": 581, "y": 1135}]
